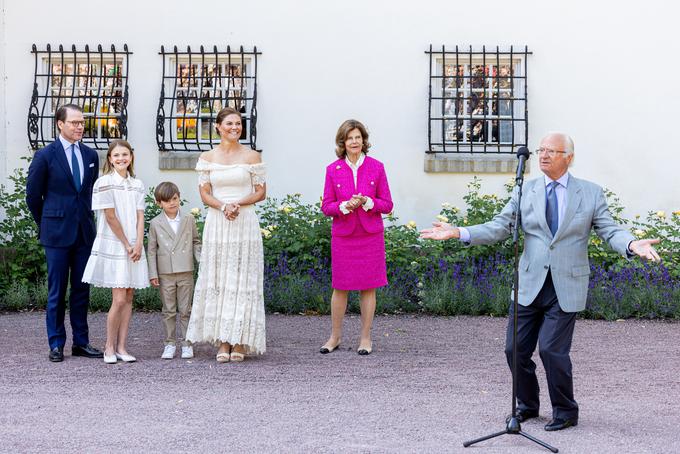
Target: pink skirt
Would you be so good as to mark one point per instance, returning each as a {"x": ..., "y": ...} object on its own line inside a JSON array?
[{"x": 358, "y": 260}]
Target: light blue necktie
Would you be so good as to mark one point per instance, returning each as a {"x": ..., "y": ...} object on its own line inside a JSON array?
[
  {"x": 551, "y": 213},
  {"x": 75, "y": 168}
]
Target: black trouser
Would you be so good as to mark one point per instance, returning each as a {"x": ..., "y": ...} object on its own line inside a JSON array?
[{"x": 544, "y": 322}]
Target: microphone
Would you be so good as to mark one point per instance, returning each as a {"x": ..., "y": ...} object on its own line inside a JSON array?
[{"x": 522, "y": 154}]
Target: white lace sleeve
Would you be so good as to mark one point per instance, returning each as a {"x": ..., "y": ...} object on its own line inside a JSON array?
[
  {"x": 258, "y": 173},
  {"x": 203, "y": 169}
]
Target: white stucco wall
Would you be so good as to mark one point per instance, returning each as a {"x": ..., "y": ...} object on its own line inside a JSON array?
[
  {"x": 604, "y": 72},
  {"x": 3, "y": 94}
]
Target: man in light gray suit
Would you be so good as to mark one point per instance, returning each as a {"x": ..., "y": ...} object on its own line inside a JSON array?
[{"x": 558, "y": 212}]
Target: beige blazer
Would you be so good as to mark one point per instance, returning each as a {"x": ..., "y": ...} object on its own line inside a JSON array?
[{"x": 168, "y": 252}]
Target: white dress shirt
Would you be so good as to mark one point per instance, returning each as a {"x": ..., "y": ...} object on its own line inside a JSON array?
[
  {"x": 355, "y": 170},
  {"x": 174, "y": 223},
  {"x": 67, "y": 151}
]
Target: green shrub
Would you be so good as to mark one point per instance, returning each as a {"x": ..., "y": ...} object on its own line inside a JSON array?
[{"x": 22, "y": 258}]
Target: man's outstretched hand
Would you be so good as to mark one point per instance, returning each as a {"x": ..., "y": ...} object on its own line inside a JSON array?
[
  {"x": 645, "y": 250},
  {"x": 440, "y": 231}
]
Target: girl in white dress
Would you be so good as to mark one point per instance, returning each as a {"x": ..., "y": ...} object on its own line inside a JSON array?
[
  {"x": 118, "y": 260},
  {"x": 228, "y": 306}
]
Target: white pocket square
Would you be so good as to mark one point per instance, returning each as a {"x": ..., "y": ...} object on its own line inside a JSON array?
[{"x": 92, "y": 164}]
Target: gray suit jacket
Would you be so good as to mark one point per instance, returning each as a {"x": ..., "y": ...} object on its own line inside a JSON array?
[
  {"x": 169, "y": 253},
  {"x": 565, "y": 255}
]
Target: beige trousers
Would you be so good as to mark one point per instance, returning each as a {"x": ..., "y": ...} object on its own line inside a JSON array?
[{"x": 177, "y": 291}]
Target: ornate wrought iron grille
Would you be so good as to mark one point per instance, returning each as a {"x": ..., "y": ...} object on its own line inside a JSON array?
[
  {"x": 477, "y": 100},
  {"x": 196, "y": 85},
  {"x": 96, "y": 80}
]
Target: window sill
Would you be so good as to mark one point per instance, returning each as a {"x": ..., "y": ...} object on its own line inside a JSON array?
[
  {"x": 177, "y": 160},
  {"x": 470, "y": 163}
]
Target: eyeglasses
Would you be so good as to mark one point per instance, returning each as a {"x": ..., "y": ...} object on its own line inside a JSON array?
[
  {"x": 76, "y": 123},
  {"x": 550, "y": 152}
]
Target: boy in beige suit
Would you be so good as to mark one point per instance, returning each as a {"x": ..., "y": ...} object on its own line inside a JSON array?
[{"x": 173, "y": 246}]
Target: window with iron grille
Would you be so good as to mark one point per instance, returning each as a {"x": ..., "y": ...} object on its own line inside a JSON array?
[
  {"x": 196, "y": 86},
  {"x": 96, "y": 80},
  {"x": 477, "y": 100}
]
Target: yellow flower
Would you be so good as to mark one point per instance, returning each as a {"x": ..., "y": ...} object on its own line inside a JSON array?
[
  {"x": 265, "y": 233},
  {"x": 455, "y": 210},
  {"x": 285, "y": 208},
  {"x": 442, "y": 218},
  {"x": 411, "y": 225},
  {"x": 661, "y": 214},
  {"x": 639, "y": 233},
  {"x": 465, "y": 221},
  {"x": 195, "y": 212},
  {"x": 676, "y": 213}
]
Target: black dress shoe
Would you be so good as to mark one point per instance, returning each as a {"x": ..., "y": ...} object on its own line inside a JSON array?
[
  {"x": 559, "y": 424},
  {"x": 57, "y": 354},
  {"x": 87, "y": 351},
  {"x": 523, "y": 415}
]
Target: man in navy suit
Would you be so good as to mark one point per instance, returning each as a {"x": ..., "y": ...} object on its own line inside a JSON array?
[{"x": 59, "y": 196}]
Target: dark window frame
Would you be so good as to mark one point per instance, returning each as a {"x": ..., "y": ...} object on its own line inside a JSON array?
[
  {"x": 101, "y": 126},
  {"x": 487, "y": 97},
  {"x": 231, "y": 71}
]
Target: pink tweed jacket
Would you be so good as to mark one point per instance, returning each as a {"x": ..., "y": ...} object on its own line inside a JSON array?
[{"x": 339, "y": 187}]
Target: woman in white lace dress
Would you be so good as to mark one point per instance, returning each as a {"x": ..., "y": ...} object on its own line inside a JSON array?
[{"x": 228, "y": 307}]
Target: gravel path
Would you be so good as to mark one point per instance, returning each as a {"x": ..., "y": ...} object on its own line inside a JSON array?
[{"x": 432, "y": 383}]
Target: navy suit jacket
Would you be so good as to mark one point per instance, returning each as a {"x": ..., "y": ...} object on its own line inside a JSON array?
[{"x": 59, "y": 210}]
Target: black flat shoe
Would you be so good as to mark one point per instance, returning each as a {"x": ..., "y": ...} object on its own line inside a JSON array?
[
  {"x": 87, "y": 351},
  {"x": 57, "y": 354},
  {"x": 523, "y": 415},
  {"x": 559, "y": 424},
  {"x": 324, "y": 350}
]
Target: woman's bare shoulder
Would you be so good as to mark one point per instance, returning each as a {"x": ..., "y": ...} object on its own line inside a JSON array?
[
  {"x": 252, "y": 156},
  {"x": 207, "y": 155}
]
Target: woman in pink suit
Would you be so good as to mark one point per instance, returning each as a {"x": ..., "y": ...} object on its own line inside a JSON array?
[{"x": 356, "y": 195}]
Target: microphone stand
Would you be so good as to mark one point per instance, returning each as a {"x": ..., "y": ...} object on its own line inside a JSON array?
[{"x": 513, "y": 426}]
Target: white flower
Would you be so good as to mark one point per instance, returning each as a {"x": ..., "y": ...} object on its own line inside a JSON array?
[
  {"x": 195, "y": 212},
  {"x": 660, "y": 214},
  {"x": 639, "y": 233},
  {"x": 446, "y": 205},
  {"x": 442, "y": 218},
  {"x": 419, "y": 284}
]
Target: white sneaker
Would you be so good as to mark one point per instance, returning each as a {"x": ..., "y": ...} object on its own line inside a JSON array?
[
  {"x": 168, "y": 352},
  {"x": 187, "y": 351}
]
